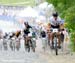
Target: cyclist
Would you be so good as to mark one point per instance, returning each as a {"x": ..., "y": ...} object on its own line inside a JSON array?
[
  {"x": 55, "y": 22},
  {"x": 26, "y": 38},
  {"x": 27, "y": 27},
  {"x": 43, "y": 38}
]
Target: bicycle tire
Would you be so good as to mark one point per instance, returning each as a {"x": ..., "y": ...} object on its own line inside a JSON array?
[
  {"x": 56, "y": 51},
  {"x": 56, "y": 48}
]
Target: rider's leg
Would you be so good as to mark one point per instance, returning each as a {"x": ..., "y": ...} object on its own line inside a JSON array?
[
  {"x": 62, "y": 37},
  {"x": 49, "y": 38},
  {"x": 25, "y": 44},
  {"x": 28, "y": 48},
  {"x": 59, "y": 39},
  {"x": 52, "y": 39}
]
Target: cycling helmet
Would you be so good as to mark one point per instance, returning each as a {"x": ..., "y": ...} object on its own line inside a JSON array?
[
  {"x": 26, "y": 23},
  {"x": 55, "y": 14}
]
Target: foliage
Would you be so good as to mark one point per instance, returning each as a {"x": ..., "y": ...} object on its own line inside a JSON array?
[
  {"x": 70, "y": 18},
  {"x": 72, "y": 45}
]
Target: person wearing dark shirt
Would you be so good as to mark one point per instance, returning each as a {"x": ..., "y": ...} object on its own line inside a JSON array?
[
  {"x": 27, "y": 27},
  {"x": 44, "y": 39},
  {"x": 43, "y": 34}
]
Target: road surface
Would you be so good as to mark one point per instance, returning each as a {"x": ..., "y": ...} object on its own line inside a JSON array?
[{"x": 38, "y": 57}]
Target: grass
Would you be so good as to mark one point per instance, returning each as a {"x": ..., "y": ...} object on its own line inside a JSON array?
[{"x": 18, "y": 2}]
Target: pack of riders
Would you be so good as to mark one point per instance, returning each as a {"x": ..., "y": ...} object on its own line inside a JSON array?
[{"x": 45, "y": 34}]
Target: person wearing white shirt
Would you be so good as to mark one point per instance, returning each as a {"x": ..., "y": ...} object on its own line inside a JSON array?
[{"x": 55, "y": 22}]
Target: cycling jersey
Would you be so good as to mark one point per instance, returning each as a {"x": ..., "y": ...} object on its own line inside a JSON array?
[{"x": 55, "y": 23}]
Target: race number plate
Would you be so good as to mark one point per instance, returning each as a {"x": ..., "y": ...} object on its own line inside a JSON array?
[{"x": 55, "y": 30}]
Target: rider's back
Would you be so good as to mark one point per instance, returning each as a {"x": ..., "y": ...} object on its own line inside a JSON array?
[
  {"x": 43, "y": 34},
  {"x": 26, "y": 31}
]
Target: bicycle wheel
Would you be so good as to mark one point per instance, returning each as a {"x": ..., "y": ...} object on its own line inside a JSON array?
[
  {"x": 56, "y": 48},
  {"x": 56, "y": 51}
]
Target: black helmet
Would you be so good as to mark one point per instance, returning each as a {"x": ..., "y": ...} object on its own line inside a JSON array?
[
  {"x": 55, "y": 14},
  {"x": 26, "y": 23}
]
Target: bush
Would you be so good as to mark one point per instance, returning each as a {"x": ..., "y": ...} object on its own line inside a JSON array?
[{"x": 72, "y": 45}]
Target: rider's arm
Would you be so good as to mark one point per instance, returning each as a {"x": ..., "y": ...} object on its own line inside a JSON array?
[
  {"x": 62, "y": 24},
  {"x": 29, "y": 26},
  {"x": 51, "y": 20}
]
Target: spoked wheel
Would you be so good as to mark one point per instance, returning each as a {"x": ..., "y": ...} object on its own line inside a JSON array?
[
  {"x": 56, "y": 47},
  {"x": 33, "y": 49},
  {"x": 27, "y": 47},
  {"x": 33, "y": 45},
  {"x": 18, "y": 47},
  {"x": 56, "y": 51}
]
